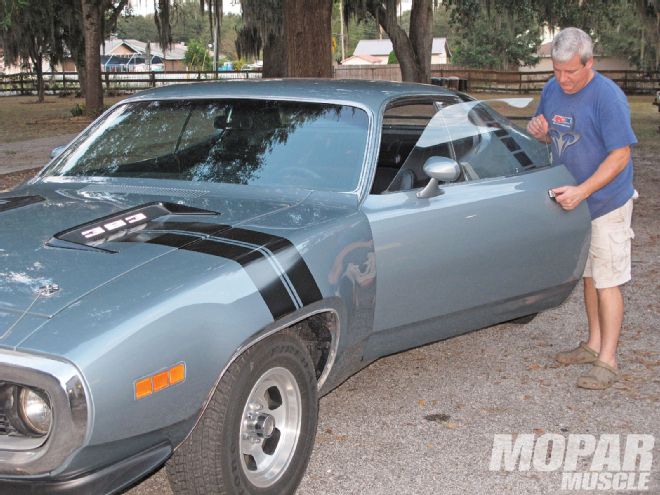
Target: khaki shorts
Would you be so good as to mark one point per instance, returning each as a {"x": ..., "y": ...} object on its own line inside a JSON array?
[{"x": 609, "y": 253}]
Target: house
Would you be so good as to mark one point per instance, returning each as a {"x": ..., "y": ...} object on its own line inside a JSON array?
[
  {"x": 601, "y": 61},
  {"x": 381, "y": 49},
  {"x": 129, "y": 55},
  {"x": 363, "y": 60}
]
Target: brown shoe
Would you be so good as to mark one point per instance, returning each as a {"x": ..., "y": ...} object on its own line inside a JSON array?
[
  {"x": 599, "y": 377},
  {"x": 580, "y": 355}
]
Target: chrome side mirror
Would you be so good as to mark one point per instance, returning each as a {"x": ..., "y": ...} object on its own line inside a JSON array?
[
  {"x": 440, "y": 169},
  {"x": 57, "y": 151}
]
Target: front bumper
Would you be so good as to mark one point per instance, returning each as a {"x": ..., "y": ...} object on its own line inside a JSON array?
[{"x": 108, "y": 480}]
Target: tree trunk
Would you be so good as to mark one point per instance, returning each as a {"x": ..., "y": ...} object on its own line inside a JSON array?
[
  {"x": 79, "y": 60},
  {"x": 275, "y": 59},
  {"x": 414, "y": 52},
  {"x": 39, "y": 70},
  {"x": 308, "y": 35},
  {"x": 91, "y": 10},
  {"x": 421, "y": 37}
]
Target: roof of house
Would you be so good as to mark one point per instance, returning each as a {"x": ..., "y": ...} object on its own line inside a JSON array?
[
  {"x": 384, "y": 47},
  {"x": 177, "y": 51}
]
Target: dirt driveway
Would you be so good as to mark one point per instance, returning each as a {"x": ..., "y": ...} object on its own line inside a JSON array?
[{"x": 424, "y": 421}]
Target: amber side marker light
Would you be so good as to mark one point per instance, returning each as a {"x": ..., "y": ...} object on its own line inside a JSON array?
[{"x": 149, "y": 385}]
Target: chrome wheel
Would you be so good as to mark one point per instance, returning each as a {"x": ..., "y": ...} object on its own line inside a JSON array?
[
  {"x": 270, "y": 427},
  {"x": 257, "y": 432}
]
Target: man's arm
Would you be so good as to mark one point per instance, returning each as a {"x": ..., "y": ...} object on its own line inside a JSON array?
[{"x": 569, "y": 197}]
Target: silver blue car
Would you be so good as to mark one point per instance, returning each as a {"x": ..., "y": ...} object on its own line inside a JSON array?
[{"x": 183, "y": 281}]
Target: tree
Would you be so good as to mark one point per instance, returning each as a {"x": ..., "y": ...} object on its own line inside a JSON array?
[
  {"x": 30, "y": 31},
  {"x": 633, "y": 31},
  {"x": 412, "y": 49},
  {"x": 94, "y": 22},
  {"x": 296, "y": 36},
  {"x": 495, "y": 34},
  {"x": 163, "y": 20},
  {"x": 197, "y": 56}
]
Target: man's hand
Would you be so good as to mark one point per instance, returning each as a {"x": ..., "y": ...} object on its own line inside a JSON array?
[
  {"x": 538, "y": 127},
  {"x": 569, "y": 197}
]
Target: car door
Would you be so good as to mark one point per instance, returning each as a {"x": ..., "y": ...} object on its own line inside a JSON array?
[{"x": 489, "y": 247}]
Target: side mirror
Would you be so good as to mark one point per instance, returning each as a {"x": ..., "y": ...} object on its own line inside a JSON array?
[
  {"x": 57, "y": 151},
  {"x": 440, "y": 169}
]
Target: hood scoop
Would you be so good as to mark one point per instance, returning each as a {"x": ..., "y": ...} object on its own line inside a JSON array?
[
  {"x": 123, "y": 225},
  {"x": 7, "y": 204}
]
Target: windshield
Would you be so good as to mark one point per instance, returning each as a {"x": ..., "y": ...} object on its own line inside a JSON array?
[{"x": 255, "y": 142}]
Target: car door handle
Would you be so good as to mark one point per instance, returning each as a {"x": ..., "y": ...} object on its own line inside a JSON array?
[{"x": 552, "y": 195}]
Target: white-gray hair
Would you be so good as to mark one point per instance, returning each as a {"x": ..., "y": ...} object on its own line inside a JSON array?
[{"x": 572, "y": 41}]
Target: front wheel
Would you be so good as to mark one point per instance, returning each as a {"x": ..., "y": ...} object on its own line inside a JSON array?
[{"x": 257, "y": 432}]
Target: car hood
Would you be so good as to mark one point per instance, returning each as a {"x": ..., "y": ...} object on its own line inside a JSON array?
[{"x": 59, "y": 242}]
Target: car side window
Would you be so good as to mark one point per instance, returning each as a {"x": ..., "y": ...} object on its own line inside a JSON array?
[
  {"x": 399, "y": 161},
  {"x": 496, "y": 147},
  {"x": 484, "y": 143}
]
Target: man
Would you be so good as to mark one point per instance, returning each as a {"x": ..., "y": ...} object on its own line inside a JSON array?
[{"x": 587, "y": 119}]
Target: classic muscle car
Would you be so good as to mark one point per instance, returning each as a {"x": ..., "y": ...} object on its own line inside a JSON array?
[{"x": 181, "y": 282}]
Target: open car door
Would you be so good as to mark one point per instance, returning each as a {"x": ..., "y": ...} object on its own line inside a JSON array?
[{"x": 479, "y": 244}]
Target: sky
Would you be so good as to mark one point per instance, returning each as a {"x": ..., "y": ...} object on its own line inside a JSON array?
[{"x": 144, "y": 7}]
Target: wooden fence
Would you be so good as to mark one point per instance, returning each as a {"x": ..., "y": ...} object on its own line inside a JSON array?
[
  {"x": 632, "y": 82},
  {"x": 25, "y": 83}
]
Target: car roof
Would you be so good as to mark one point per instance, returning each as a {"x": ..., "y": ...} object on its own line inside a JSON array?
[{"x": 372, "y": 94}]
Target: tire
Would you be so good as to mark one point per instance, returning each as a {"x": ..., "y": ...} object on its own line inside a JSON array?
[
  {"x": 257, "y": 433},
  {"x": 524, "y": 320}
]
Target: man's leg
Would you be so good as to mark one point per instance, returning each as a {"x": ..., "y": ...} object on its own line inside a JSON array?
[
  {"x": 610, "y": 316},
  {"x": 591, "y": 304}
]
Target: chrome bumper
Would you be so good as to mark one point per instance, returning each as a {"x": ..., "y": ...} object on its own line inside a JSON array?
[{"x": 69, "y": 399}]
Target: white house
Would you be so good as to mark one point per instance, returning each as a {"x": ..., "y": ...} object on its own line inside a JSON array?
[{"x": 379, "y": 51}]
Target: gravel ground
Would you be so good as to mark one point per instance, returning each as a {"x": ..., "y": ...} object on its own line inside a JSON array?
[{"x": 423, "y": 421}]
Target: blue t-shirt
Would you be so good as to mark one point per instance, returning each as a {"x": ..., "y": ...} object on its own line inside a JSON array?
[{"x": 585, "y": 127}]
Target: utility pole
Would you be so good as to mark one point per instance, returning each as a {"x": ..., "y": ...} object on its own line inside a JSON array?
[{"x": 341, "y": 32}]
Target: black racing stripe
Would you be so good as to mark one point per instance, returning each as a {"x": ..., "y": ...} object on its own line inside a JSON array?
[
  {"x": 523, "y": 159},
  {"x": 255, "y": 264},
  {"x": 288, "y": 257},
  {"x": 192, "y": 227},
  {"x": 178, "y": 241},
  {"x": 7, "y": 204},
  {"x": 262, "y": 273}
]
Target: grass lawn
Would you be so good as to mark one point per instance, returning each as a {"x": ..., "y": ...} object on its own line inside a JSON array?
[
  {"x": 22, "y": 118},
  {"x": 645, "y": 116}
]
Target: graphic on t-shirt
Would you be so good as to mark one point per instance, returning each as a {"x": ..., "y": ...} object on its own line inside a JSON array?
[
  {"x": 561, "y": 132},
  {"x": 563, "y": 140},
  {"x": 562, "y": 120}
]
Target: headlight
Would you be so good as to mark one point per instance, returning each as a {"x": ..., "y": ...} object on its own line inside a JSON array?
[{"x": 34, "y": 410}]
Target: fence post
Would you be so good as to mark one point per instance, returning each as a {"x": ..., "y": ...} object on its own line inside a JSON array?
[
  {"x": 20, "y": 83},
  {"x": 107, "y": 80},
  {"x": 63, "y": 81},
  {"x": 152, "y": 79}
]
